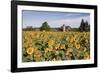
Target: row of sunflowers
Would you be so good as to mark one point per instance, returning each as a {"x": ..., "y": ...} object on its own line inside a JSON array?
[{"x": 55, "y": 46}]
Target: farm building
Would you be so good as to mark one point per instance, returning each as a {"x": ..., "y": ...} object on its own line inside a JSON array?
[{"x": 65, "y": 28}]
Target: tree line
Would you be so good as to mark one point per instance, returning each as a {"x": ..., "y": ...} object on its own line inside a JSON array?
[{"x": 84, "y": 26}]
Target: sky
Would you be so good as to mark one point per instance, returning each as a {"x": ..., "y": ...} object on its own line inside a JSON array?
[{"x": 54, "y": 19}]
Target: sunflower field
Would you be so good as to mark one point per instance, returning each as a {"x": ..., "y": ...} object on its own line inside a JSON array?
[{"x": 40, "y": 46}]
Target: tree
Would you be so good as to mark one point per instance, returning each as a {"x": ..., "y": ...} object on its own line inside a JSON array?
[
  {"x": 87, "y": 26},
  {"x": 45, "y": 27},
  {"x": 81, "y": 28},
  {"x": 84, "y": 26}
]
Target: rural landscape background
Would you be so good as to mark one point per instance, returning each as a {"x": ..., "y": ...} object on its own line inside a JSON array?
[{"x": 55, "y": 36}]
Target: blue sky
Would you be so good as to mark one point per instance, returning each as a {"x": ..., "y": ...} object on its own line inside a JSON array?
[{"x": 54, "y": 19}]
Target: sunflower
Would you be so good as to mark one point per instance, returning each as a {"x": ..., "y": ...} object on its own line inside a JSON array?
[
  {"x": 46, "y": 50},
  {"x": 78, "y": 46},
  {"x": 85, "y": 49},
  {"x": 70, "y": 50},
  {"x": 50, "y": 42},
  {"x": 57, "y": 46},
  {"x": 86, "y": 56},
  {"x": 53, "y": 59},
  {"x": 72, "y": 39},
  {"x": 62, "y": 46},
  {"x": 30, "y": 50},
  {"x": 67, "y": 53}
]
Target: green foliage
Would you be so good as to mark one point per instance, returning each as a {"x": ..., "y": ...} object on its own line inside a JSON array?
[
  {"x": 45, "y": 27},
  {"x": 84, "y": 26}
]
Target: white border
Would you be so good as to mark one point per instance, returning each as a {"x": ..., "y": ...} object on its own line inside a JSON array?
[{"x": 38, "y": 64}]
